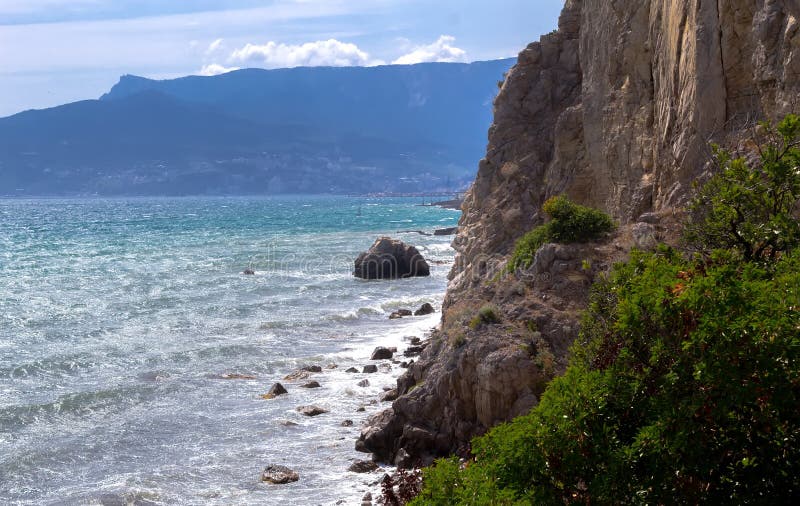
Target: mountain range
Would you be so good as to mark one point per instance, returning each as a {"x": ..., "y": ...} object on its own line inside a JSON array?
[{"x": 397, "y": 128}]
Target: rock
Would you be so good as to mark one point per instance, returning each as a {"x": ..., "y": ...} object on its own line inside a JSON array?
[
  {"x": 425, "y": 309},
  {"x": 381, "y": 353},
  {"x": 446, "y": 231},
  {"x": 237, "y": 376},
  {"x": 367, "y": 499},
  {"x": 389, "y": 396},
  {"x": 276, "y": 390},
  {"x": 279, "y": 475},
  {"x": 347, "y": 423},
  {"x": 363, "y": 383},
  {"x": 400, "y": 313},
  {"x": 413, "y": 351},
  {"x": 369, "y": 369},
  {"x": 297, "y": 375},
  {"x": 351, "y": 370},
  {"x": 644, "y": 236},
  {"x": 416, "y": 341},
  {"x": 311, "y": 410},
  {"x": 249, "y": 272},
  {"x": 361, "y": 409},
  {"x": 390, "y": 259},
  {"x": 363, "y": 466},
  {"x": 288, "y": 423},
  {"x": 404, "y": 365},
  {"x": 311, "y": 368},
  {"x": 311, "y": 384},
  {"x": 332, "y": 366}
]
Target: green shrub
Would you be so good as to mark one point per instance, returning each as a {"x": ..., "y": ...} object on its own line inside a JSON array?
[
  {"x": 569, "y": 223},
  {"x": 751, "y": 208},
  {"x": 487, "y": 315}
]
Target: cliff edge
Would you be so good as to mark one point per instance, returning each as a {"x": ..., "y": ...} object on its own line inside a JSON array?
[{"x": 615, "y": 109}]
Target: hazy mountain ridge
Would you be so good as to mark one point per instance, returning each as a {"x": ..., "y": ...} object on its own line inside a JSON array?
[{"x": 309, "y": 130}]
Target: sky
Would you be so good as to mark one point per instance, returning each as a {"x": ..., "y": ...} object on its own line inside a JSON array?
[{"x": 58, "y": 51}]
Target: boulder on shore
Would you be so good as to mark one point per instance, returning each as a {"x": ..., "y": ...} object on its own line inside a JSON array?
[{"x": 390, "y": 258}]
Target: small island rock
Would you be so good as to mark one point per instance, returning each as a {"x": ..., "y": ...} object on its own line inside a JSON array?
[{"x": 390, "y": 258}]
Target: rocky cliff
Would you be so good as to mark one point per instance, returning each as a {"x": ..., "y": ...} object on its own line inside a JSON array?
[{"x": 616, "y": 109}]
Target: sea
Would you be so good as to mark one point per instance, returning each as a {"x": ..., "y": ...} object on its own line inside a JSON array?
[{"x": 134, "y": 351}]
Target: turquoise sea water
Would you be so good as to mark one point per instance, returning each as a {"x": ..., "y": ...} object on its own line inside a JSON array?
[{"x": 118, "y": 319}]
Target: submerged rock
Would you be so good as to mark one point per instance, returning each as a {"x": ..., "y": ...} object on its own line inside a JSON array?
[
  {"x": 390, "y": 258},
  {"x": 311, "y": 410},
  {"x": 248, "y": 272},
  {"x": 363, "y": 383},
  {"x": 237, "y": 376},
  {"x": 279, "y": 475},
  {"x": 446, "y": 231},
  {"x": 311, "y": 384}
]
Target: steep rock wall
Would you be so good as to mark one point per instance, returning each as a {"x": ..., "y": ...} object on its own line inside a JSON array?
[{"x": 615, "y": 109}]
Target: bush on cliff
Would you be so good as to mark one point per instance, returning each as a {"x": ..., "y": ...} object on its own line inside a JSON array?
[
  {"x": 684, "y": 385},
  {"x": 569, "y": 222}
]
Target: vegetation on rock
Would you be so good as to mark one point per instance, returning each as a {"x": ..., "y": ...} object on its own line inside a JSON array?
[
  {"x": 569, "y": 222},
  {"x": 684, "y": 384}
]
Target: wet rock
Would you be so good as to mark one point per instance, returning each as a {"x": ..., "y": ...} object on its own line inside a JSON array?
[
  {"x": 404, "y": 365},
  {"x": 371, "y": 368},
  {"x": 367, "y": 499},
  {"x": 363, "y": 383},
  {"x": 351, "y": 370},
  {"x": 390, "y": 258},
  {"x": 425, "y": 309},
  {"x": 279, "y": 475},
  {"x": 299, "y": 374},
  {"x": 389, "y": 396},
  {"x": 311, "y": 410},
  {"x": 361, "y": 409},
  {"x": 311, "y": 384},
  {"x": 400, "y": 313},
  {"x": 311, "y": 368},
  {"x": 446, "y": 231},
  {"x": 237, "y": 376},
  {"x": 363, "y": 466},
  {"x": 331, "y": 366},
  {"x": 416, "y": 341},
  {"x": 248, "y": 272},
  {"x": 413, "y": 351},
  {"x": 381, "y": 353},
  {"x": 276, "y": 390},
  {"x": 347, "y": 423},
  {"x": 289, "y": 423}
]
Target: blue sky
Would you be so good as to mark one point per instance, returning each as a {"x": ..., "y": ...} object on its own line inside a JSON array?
[{"x": 58, "y": 51}]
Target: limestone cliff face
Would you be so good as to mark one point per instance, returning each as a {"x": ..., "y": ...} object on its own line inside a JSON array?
[{"x": 615, "y": 109}]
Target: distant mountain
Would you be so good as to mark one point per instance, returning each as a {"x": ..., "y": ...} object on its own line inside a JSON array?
[{"x": 301, "y": 130}]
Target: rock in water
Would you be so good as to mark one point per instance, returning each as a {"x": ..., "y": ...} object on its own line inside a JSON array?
[
  {"x": 371, "y": 368},
  {"x": 381, "y": 353},
  {"x": 311, "y": 410},
  {"x": 390, "y": 259},
  {"x": 363, "y": 466},
  {"x": 276, "y": 390},
  {"x": 311, "y": 384},
  {"x": 279, "y": 475},
  {"x": 400, "y": 313},
  {"x": 425, "y": 309}
]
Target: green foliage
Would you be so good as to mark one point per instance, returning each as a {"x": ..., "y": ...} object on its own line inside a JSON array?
[
  {"x": 683, "y": 388},
  {"x": 569, "y": 223},
  {"x": 684, "y": 385},
  {"x": 752, "y": 207},
  {"x": 487, "y": 315}
]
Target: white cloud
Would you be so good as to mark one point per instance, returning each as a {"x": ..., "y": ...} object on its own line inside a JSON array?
[
  {"x": 215, "y": 69},
  {"x": 329, "y": 52},
  {"x": 442, "y": 50},
  {"x": 214, "y": 47}
]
